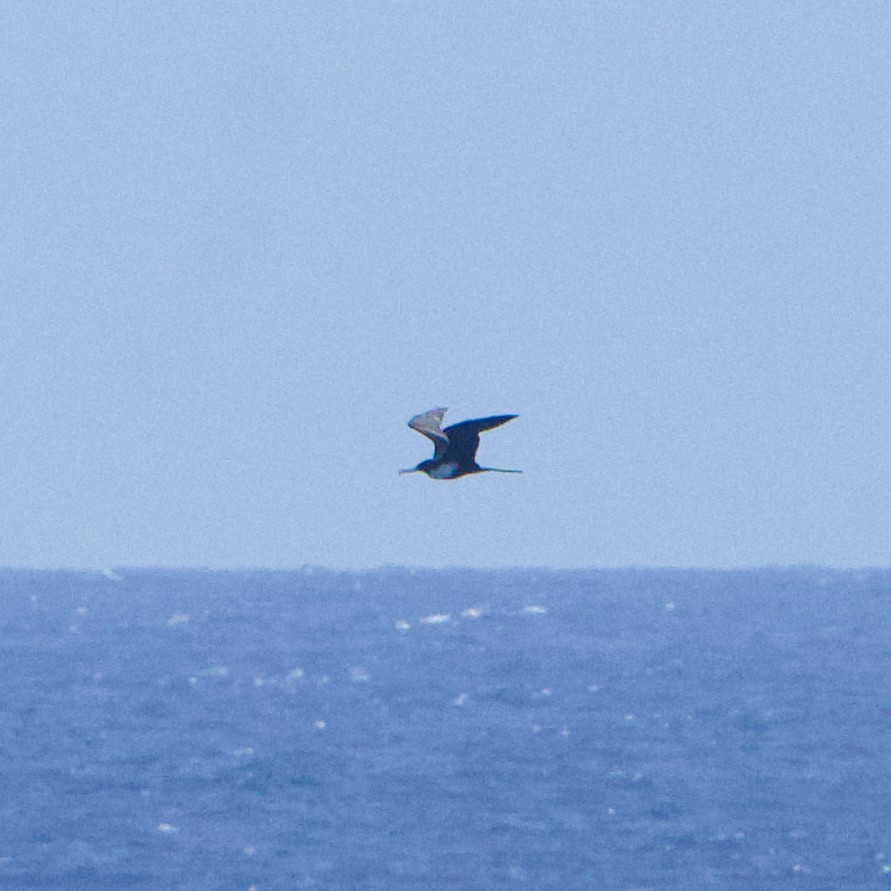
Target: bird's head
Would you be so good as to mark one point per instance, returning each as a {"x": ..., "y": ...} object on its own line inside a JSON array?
[{"x": 423, "y": 467}]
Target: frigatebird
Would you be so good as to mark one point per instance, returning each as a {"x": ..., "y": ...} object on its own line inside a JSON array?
[{"x": 455, "y": 447}]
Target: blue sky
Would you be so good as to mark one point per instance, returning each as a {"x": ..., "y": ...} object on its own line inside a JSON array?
[{"x": 244, "y": 243}]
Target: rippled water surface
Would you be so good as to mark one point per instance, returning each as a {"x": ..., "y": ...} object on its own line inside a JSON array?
[{"x": 429, "y": 730}]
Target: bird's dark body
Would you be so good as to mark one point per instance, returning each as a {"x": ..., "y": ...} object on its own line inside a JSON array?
[
  {"x": 456, "y": 445},
  {"x": 464, "y": 440}
]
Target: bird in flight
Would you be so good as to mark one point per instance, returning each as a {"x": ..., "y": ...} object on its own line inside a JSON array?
[{"x": 455, "y": 447}]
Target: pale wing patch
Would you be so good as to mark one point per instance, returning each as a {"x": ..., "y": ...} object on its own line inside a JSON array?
[{"x": 429, "y": 423}]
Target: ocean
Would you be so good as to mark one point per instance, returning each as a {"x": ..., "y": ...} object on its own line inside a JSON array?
[{"x": 397, "y": 729}]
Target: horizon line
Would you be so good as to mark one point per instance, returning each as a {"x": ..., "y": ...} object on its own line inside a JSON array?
[{"x": 307, "y": 568}]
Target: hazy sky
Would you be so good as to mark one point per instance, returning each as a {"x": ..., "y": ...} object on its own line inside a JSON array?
[{"x": 242, "y": 243}]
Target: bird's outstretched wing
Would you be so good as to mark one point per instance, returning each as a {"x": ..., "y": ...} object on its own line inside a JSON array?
[
  {"x": 464, "y": 438},
  {"x": 429, "y": 423}
]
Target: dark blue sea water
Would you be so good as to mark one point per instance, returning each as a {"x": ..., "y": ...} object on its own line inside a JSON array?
[{"x": 436, "y": 730}]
